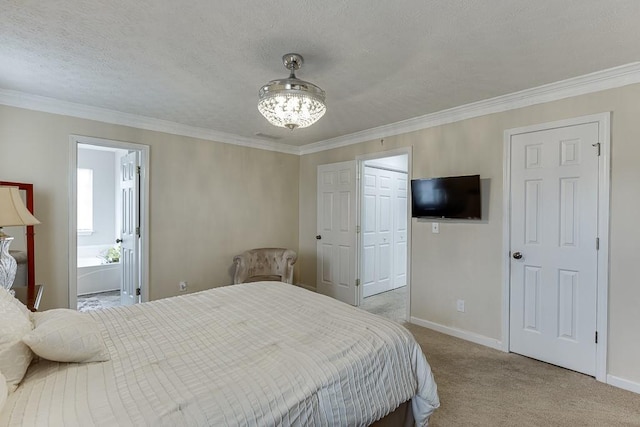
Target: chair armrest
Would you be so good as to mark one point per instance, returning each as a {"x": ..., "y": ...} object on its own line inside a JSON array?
[
  {"x": 290, "y": 258},
  {"x": 242, "y": 270}
]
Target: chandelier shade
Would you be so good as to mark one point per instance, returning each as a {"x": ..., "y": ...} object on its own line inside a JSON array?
[{"x": 291, "y": 103}]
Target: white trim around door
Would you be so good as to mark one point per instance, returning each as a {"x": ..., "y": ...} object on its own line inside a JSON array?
[
  {"x": 604, "y": 139},
  {"x": 74, "y": 140},
  {"x": 360, "y": 160}
]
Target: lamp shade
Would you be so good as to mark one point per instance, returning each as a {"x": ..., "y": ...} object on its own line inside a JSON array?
[{"x": 13, "y": 212}]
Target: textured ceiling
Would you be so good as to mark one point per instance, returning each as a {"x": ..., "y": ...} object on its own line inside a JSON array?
[{"x": 200, "y": 63}]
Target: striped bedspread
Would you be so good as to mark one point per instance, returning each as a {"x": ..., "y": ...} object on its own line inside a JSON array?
[{"x": 257, "y": 354}]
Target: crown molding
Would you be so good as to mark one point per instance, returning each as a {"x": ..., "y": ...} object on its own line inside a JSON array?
[
  {"x": 594, "y": 82},
  {"x": 55, "y": 106},
  {"x": 581, "y": 85}
]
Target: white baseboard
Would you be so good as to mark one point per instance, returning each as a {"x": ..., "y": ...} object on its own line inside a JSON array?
[
  {"x": 496, "y": 344},
  {"x": 623, "y": 384},
  {"x": 459, "y": 333}
]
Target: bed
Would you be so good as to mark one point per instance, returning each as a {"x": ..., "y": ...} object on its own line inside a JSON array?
[{"x": 255, "y": 354}]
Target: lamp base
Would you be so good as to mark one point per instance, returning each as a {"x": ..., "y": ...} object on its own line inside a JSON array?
[{"x": 8, "y": 265}]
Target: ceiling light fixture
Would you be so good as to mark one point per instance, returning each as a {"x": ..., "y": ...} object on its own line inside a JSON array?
[{"x": 290, "y": 102}]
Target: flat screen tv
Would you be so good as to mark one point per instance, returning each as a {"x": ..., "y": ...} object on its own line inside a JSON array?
[{"x": 455, "y": 197}]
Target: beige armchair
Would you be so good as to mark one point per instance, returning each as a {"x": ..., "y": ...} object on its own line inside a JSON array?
[{"x": 273, "y": 264}]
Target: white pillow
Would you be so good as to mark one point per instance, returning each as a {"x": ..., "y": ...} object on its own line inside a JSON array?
[
  {"x": 4, "y": 391},
  {"x": 64, "y": 335},
  {"x": 15, "y": 356},
  {"x": 15, "y": 301}
]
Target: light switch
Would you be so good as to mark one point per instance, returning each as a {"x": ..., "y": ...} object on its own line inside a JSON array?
[{"x": 435, "y": 227}]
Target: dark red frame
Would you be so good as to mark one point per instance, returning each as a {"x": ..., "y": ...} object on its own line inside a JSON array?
[{"x": 31, "y": 262}]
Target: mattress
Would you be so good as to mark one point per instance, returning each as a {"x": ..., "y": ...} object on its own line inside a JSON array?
[{"x": 255, "y": 354}]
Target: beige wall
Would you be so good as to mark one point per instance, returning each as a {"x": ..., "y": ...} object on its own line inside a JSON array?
[
  {"x": 465, "y": 259},
  {"x": 201, "y": 214},
  {"x": 209, "y": 201}
]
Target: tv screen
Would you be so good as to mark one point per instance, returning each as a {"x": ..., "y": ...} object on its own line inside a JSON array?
[{"x": 451, "y": 197}]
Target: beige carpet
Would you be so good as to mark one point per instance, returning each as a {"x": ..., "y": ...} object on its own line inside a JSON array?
[{"x": 479, "y": 386}]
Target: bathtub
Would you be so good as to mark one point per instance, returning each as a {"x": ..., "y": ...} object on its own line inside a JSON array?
[{"x": 94, "y": 274}]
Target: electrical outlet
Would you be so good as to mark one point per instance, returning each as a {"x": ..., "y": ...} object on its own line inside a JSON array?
[
  {"x": 435, "y": 227},
  {"x": 182, "y": 286},
  {"x": 460, "y": 305}
]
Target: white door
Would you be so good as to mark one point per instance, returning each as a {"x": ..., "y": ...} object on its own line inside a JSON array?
[
  {"x": 377, "y": 231},
  {"x": 336, "y": 228},
  {"x": 400, "y": 187},
  {"x": 129, "y": 229},
  {"x": 554, "y": 205},
  {"x": 384, "y": 230}
]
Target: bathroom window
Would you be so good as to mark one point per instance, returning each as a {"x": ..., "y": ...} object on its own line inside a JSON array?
[{"x": 85, "y": 201}]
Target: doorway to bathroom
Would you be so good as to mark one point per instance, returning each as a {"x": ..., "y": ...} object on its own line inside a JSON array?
[{"x": 109, "y": 206}]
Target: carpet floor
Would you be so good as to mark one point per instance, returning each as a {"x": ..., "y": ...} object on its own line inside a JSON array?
[{"x": 480, "y": 386}]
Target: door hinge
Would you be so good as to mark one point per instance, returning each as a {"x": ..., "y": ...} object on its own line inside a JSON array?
[
  {"x": 357, "y": 229},
  {"x": 596, "y": 337},
  {"x": 357, "y": 282},
  {"x": 597, "y": 243},
  {"x": 138, "y": 169},
  {"x": 138, "y": 231},
  {"x": 138, "y": 292},
  {"x": 597, "y": 145}
]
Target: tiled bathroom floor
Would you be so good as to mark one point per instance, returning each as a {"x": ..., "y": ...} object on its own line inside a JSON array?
[{"x": 98, "y": 301}]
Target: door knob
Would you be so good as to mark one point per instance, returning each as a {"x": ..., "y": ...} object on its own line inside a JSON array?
[
  {"x": 118, "y": 240},
  {"x": 517, "y": 255},
  {"x": 318, "y": 237}
]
